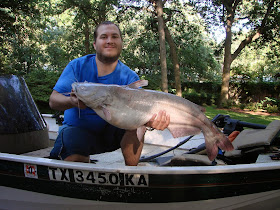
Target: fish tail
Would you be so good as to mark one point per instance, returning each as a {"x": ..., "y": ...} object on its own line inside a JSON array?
[
  {"x": 211, "y": 150},
  {"x": 218, "y": 140}
]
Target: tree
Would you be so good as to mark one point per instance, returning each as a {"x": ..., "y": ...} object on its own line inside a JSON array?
[
  {"x": 69, "y": 31},
  {"x": 175, "y": 61},
  {"x": 262, "y": 18},
  {"x": 158, "y": 4},
  {"x": 173, "y": 48},
  {"x": 18, "y": 35},
  {"x": 256, "y": 64},
  {"x": 187, "y": 41}
]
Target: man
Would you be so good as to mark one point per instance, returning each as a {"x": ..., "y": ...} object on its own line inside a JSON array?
[{"x": 83, "y": 131}]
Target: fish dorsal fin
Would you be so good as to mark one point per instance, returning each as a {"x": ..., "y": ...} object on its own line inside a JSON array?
[{"x": 138, "y": 84}]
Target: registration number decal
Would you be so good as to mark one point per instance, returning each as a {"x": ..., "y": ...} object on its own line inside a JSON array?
[{"x": 98, "y": 178}]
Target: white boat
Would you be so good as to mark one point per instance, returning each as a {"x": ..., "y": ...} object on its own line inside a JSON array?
[{"x": 182, "y": 178}]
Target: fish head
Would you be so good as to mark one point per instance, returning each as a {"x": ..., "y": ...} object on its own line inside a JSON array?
[{"x": 94, "y": 95}]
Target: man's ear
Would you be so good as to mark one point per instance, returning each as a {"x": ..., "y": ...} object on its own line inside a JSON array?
[{"x": 94, "y": 45}]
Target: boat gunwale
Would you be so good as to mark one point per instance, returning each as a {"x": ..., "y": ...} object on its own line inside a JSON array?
[{"x": 167, "y": 170}]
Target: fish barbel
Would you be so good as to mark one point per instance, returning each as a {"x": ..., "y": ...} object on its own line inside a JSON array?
[{"x": 130, "y": 107}]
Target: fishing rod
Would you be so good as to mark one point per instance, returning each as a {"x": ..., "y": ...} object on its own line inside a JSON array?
[{"x": 147, "y": 159}]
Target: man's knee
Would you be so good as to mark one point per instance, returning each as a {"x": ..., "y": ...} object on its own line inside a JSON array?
[{"x": 77, "y": 158}]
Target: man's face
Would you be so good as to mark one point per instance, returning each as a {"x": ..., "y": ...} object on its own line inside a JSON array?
[{"x": 108, "y": 44}]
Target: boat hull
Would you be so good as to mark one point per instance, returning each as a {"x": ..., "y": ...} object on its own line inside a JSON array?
[
  {"x": 136, "y": 184},
  {"x": 11, "y": 198}
]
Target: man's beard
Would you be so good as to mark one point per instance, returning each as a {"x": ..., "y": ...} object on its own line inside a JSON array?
[{"x": 107, "y": 59}]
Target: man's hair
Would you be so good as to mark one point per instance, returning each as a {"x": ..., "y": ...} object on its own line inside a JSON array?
[{"x": 104, "y": 23}]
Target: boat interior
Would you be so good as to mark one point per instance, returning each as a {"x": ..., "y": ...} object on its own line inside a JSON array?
[{"x": 24, "y": 131}]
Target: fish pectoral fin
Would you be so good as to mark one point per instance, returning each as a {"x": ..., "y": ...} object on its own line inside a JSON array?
[
  {"x": 141, "y": 132},
  {"x": 138, "y": 84},
  {"x": 106, "y": 112}
]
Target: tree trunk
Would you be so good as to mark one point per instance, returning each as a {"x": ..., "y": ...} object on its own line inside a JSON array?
[
  {"x": 163, "y": 63},
  {"x": 175, "y": 61},
  {"x": 226, "y": 67},
  {"x": 227, "y": 57},
  {"x": 87, "y": 42}
]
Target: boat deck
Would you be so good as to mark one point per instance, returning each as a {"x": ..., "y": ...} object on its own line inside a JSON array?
[
  {"x": 115, "y": 157},
  {"x": 155, "y": 142}
]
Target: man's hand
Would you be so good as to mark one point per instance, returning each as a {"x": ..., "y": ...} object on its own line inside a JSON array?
[
  {"x": 159, "y": 121},
  {"x": 76, "y": 102},
  {"x": 132, "y": 144}
]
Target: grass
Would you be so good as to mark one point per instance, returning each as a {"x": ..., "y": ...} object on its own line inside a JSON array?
[{"x": 211, "y": 112}]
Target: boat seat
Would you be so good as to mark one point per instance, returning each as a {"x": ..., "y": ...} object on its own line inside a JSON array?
[
  {"x": 20, "y": 143},
  {"x": 254, "y": 138}
]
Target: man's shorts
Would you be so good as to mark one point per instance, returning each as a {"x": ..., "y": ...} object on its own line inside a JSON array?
[{"x": 73, "y": 140}]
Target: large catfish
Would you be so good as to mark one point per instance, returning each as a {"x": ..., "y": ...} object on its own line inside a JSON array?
[{"x": 131, "y": 107}]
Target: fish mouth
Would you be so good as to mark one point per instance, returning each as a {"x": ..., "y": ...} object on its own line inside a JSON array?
[{"x": 76, "y": 87}]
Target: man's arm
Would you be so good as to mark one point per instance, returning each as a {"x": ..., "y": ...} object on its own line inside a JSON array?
[
  {"x": 61, "y": 102},
  {"x": 132, "y": 147}
]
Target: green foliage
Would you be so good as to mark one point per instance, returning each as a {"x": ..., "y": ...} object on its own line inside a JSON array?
[
  {"x": 20, "y": 22},
  {"x": 246, "y": 92},
  {"x": 200, "y": 98},
  {"x": 38, "y": 39},
  {"x": 194, "y": 49},
  {"x": 253, "y": 106},
  {"x": 256, "y": 64},
  {"x": 272, "y": 109},
  {"x": 205, "y": 93},
  {"x": 272, "y": 105},
  {"x": 251, "y": 96},
  {"x": 40, "y": 84},
  {"x": 208, "y": 87}
]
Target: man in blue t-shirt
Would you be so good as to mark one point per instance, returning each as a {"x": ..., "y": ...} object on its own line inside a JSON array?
[{"x": 83, "y": 132}]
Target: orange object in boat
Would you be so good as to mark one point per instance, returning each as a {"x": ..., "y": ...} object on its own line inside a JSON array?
[{"x": 233, "y": 135}]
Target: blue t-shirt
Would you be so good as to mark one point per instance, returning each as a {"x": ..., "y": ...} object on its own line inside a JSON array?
[{"x": 84, "y": 69}]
